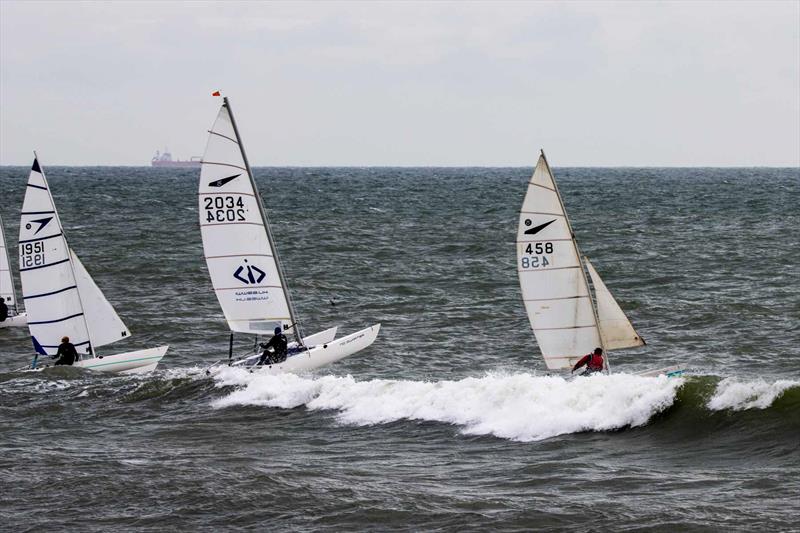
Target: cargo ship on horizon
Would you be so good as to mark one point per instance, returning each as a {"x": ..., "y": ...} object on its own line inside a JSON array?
[{"x": 165, "y": 160}]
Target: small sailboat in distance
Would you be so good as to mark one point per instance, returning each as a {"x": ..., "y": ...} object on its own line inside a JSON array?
[
  {"x": 7, "y": 292},
  {"x": 61, "y": 297},
  {"x": 567, "y": 319},
  {"x": 243, "y": 263}
]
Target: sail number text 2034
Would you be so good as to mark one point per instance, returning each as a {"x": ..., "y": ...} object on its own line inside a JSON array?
[
  {"x": 31, "y": 254},
  {"x": 224, "y": 209},
  {"x": 536, "y": 250}
]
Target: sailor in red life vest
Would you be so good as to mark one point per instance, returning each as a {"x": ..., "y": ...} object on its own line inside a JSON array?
[{"x": 593, "y": 362}]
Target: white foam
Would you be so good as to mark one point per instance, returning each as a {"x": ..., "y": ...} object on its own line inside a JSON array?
[
  {"x": 520, "y": 407},
  {"x": 740, "y": 395}
]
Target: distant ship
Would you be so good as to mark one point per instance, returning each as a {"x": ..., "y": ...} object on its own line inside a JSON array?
[{"x": 165, "y": 160}]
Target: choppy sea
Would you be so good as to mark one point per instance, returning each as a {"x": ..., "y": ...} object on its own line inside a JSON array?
[{"x": 450, "y": 421}]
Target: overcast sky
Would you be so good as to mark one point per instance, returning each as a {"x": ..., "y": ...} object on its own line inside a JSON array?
[{"x": 461, "y": 84}]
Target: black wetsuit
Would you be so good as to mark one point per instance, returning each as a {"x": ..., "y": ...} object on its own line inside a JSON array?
[
  {"x": 3, "y": 311},
  {"x": 280, "y": 344},
  {"x": 67, "y": 354}
]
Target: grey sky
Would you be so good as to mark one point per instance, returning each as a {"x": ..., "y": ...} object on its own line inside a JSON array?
[{"x": 594, "y": 83}]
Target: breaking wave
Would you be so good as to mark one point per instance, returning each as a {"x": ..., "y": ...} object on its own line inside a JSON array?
[
  {"x": 741, "y": 395},
  {"x": 520, "y": 407}
]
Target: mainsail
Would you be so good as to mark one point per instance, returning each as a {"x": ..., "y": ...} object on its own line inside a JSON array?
[
  {"x": 555, "y": 289},
  {"x": 237, "y": 242},
  {"x": 60, "y": 297},
  {"x": 7, "y": 292},
  {"x": 554, "y": 286}
]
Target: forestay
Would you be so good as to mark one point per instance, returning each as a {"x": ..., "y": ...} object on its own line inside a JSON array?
[
  {"x": 238, "y": 249},
  {"x": 615, "y": 328},
  {"x": 60, "y": 297},
  {"x": 7, "y": 292},
  {"x": 554, "y": 286}
]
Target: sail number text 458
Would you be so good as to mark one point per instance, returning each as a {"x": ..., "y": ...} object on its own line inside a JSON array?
[
  {"x": 536, "y": 250},
  {"x": 224, "y": 209}
]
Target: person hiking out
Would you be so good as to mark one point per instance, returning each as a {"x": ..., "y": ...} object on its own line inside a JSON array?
[
  {"x": 279, "y": 345},
  {"x": 593, "y": 361},
  {"x": 67, "y": 354}
]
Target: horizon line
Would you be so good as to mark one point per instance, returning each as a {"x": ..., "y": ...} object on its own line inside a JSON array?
[{"x": 51, "y": 165}]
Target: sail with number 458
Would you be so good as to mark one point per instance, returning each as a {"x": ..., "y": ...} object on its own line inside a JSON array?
[{"x": 556, "y": 291}]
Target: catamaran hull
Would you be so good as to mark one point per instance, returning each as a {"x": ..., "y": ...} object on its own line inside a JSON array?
[
  {"x": 137, "y": 362},
  {"x": 15, "y": 321},
  {"x": 669, "y": 371},
  {"x": 323, "y": 337},
  {"x": 316, "y": 357}
]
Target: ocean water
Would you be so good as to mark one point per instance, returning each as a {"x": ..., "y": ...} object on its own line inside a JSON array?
[{"x": 450, "y": 421}]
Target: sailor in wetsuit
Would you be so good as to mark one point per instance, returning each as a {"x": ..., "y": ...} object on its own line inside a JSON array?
[
  {"x": 67, "y": 354},
  {"x": 593, "y": 362},
  {"x": 3, "y": 310},
  {"x": 279, "y": 345}
]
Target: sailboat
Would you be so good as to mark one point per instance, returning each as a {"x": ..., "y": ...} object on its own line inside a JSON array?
[
  {"x": 243, "y": 262},
  {"x": 7, "y": 292},
  {"x": 61, "y": 297},
  {"x": 567, "y": 318}
]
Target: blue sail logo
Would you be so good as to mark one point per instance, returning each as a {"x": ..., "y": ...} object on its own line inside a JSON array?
[{"x": 249, "y": 274}]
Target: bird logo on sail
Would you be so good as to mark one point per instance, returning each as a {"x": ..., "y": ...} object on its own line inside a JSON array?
[
  {"x": 223, "y": 181},
  {"x": 536, "y": 229},
  {"x": 42, "y": 223},
  {"x": 253, "y": 274}
]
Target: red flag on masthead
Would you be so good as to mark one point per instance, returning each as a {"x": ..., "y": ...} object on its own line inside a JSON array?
[{"x": 215, "y": 93}]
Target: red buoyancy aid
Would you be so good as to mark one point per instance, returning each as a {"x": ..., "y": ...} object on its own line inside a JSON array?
[{"x": 595, "y": 362}]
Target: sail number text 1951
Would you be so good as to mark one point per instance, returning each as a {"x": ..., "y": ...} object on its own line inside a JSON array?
[
  {"x": 31, "y": 254},
  {"x": 536, "y": 250},
  {"x": 224, "y": 208}
]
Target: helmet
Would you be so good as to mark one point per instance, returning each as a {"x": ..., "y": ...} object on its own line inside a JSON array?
[
  {"x": 598, "y": 351},
  {"x": 278, "y": 330}
]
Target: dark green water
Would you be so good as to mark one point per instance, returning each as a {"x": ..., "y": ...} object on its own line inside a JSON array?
[{"x": 449, "y": 421}]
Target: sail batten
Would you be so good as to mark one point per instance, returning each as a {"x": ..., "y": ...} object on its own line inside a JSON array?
[{"x": 238, "y": 247}]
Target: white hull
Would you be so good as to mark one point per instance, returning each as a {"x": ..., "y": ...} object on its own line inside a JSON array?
[
  {"x": 323, "y": 337},
  {"x": 15, "y": 321},
  {"x": 318, "y": 356},
  {"x": 137, "y": 362}
]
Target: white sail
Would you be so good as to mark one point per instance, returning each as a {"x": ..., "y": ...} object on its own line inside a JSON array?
[
  {"x": 236, "y": 242},
  {"x": 553, "y": 283},
  {"x": 615, "y": 328},
  {"x": 106, "y": 325},
  {"x": 7, "y": 292},
  {"x": 48, "y": 282}
]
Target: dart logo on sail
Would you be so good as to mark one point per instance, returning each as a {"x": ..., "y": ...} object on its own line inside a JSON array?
[
  {"x": 253, "y": 275},
  {"x": 223, "y": 181},
  {"x": 536, "y": 229},
  {"x": 42, "y": 223}
]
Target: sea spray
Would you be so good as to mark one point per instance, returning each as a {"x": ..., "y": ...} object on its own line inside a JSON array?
[{"x": 521, "y": 407}]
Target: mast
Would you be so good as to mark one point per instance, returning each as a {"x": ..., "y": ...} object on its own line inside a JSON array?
[
  {"x": 265, "y": 219},
  {"x": 69, "y": 254},
  {"x": 580, "y": 259}
]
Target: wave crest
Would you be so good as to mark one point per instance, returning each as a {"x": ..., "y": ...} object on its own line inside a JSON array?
[
  {"x": 520, "y": 407},
  {"x": 741, "y": 395}
]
